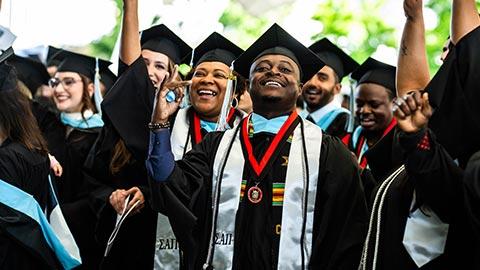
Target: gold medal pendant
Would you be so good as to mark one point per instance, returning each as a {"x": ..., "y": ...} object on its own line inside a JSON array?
[{"x": 255, "y": 194}]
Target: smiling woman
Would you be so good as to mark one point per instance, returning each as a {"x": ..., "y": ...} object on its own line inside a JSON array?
[
  {"x": 213, "y": 86},
  {"x": 73, "y": 90}
]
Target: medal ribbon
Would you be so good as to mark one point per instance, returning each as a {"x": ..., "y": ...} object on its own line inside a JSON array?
[
  {"x": 258, "y": 167},
  {"x": 363, "y": 161},
  {"x": 197, "y": 126}
]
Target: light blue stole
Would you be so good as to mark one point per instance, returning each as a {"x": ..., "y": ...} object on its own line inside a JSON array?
[
  {"x": 94, "y": 121},
  {"x": 21, "y": 201}
]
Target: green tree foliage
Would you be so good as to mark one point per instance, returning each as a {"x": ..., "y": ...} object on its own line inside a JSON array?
[
  {"x": 437, "y": 37},
  {"x": 103, "y": 47},
  {"x": 357, "y": 26},
  {"x": 246, "y": 28},
  {"x": 358, "y": 29}
]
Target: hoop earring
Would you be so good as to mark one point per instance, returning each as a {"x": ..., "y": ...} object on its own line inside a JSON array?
[{"x": 235, "y": 102}]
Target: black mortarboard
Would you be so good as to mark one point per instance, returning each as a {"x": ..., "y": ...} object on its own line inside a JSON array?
[
  {"x": 277, "y": 41},
  {"x": 85, "y": 65},
  {"x": 107, "y": 77},
  {"x": 53, "y": 56},
  {"x": 32, "y": 73},
  {"x": 373, "y": 71},
  {"x": 161, "y": 39},
  {"x": 334, "y": 57},
  {"x": 215, "y": 48},
  {"x": 8, "y": 79}
]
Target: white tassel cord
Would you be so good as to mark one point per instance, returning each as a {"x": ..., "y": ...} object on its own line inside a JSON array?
[
  {"x": 97, "y": 93},
  {"x": 222, "y": 123},
  {"x": 381, "y": 195}
]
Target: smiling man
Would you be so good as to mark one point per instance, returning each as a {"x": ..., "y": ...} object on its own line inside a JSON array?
[
  {"x": 319, "y": 92},
  {"x": 376, "y": 90},
  {"x": 273, "y": 192}
]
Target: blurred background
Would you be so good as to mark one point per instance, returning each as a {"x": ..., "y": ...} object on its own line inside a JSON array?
[{"x": 360, "y": 27}]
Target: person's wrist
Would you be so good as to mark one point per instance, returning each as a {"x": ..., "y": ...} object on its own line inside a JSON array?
[
  {"x": 415, "y": 17},
  {"x": 158, "y": 125}
]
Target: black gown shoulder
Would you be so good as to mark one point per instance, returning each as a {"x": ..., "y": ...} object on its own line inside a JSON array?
[
  {"x": 338, "y": 127},
  {"x": 19, "y": 234},
  {"x": 25, "y": 169}
]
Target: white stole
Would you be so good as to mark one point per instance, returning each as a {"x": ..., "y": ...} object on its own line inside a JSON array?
[{"x": 297, "y": 197}]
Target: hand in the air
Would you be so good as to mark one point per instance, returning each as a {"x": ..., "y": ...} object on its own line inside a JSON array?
[
  {"x": 412, "y": 111},
  {"x": 163, "y": 109},
  {"x": 413, "y": 8}
]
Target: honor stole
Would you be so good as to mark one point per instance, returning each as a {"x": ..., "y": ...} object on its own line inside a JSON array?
[
  {"x": 183, "y": 134},
  {"x": 298, "y": 194}
]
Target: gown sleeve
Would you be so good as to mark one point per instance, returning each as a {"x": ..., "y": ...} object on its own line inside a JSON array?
[
  {"x": 185, "y": 196},
  {"x": 472, "y": 191},
  {"x": 128, "y": 105},
  {"x": 453, "y": 93},
  {"x": 434, "y": 174}
]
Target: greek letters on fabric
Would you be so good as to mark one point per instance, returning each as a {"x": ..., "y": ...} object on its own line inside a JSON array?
[
  {"x": 167, "y": 251},
  {"x": 300, "y": 193}
]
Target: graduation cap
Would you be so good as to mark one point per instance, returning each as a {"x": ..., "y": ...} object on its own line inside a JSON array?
[
  {"x": 8, "y": 78},
  {"x": 277, "y": 41},
  {"x": 88, "y": 66},
  {"x": 161, "y": 39},
  {"x": 107, "y": 77},
  {"x": 215, "y": 48},
  {"x": 6, "y": 41},
  {"x": 334, "y": 57},
  {"x": 83, "y": 64},
  {"x": 53, "y": 56},
  {"x": 32, "y": 73},
  {"x": 373, "y": 71}
]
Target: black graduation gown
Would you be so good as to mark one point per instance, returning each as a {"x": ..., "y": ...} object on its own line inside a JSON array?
[
  {"x": 340, "y": 215},
  {"x": 453, "y": 92},
  {"x": 437, "y": 182},
  {"x": 472, "y": 199},
  {"x": 22, "y": 244},
  {"x": 126, "y": 109},
  {"x": 338, "y": 127},
  {"x": 382, "y": 159},
  {"x": 52, "y": 128},
  {"x": 73, "y": 192}
]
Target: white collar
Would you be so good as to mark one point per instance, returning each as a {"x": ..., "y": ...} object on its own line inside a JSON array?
[{"x": 78, "y": 115}]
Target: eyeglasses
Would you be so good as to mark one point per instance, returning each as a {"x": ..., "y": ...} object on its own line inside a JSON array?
[{"x": 66, "y": 82}]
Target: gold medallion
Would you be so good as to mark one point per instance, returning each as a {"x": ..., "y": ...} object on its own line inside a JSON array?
[{"x": 255, "y": 194}]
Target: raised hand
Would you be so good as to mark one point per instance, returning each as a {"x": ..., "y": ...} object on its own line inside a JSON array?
[
  {"x": 162, "y": 109},
  {"x": 412, "y": 111},
  {"x": 413, "y": 8}
]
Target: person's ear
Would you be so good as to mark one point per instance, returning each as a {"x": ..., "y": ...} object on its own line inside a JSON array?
[
  {"x": 337, "y": 88},
  {"x": 300, "y": 87},
  {"x": 90, "y": 89}
]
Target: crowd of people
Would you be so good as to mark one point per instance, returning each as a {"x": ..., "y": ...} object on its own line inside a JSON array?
[{"x": 249, "y": 161}]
